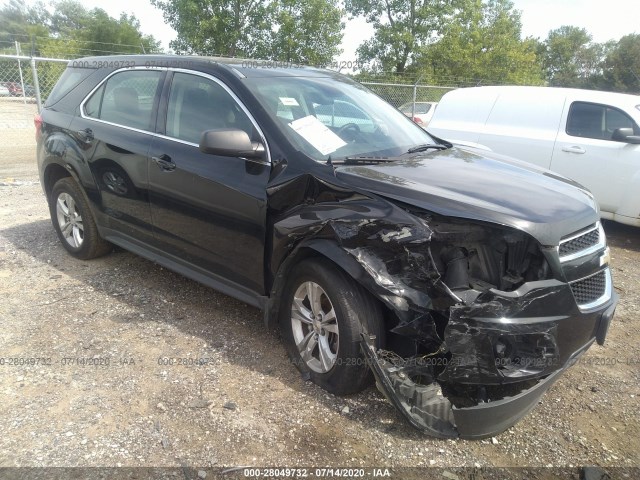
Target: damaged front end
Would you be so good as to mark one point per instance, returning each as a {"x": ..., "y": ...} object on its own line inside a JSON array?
[
  {"x": 481, "y": 319},
  {"x": 474, "y": 367}
]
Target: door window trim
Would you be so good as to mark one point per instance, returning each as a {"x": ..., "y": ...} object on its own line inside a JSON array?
[
  {"x": 596, "y": 104},
  {"x": 104, "y": 81},
  {"x": 157, "y": 107},
  {"x": 235, "y": 99}
]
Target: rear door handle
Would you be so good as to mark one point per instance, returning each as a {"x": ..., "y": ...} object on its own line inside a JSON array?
[
  {"x": 164, "y": 162},
  {"x": 85, "y": 135},
  {"x": 574, "y": 149}
]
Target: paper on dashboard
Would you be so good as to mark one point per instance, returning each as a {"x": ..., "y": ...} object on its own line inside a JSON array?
[{"x": 317, "y": 134}]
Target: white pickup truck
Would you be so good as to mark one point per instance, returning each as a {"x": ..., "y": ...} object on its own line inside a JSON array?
[{"x": 592, "y": 137}]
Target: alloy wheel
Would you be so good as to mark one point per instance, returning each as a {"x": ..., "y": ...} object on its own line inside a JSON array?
[
  {"x": 315, "y": 327},
  {"x": 69, "y": 220}
]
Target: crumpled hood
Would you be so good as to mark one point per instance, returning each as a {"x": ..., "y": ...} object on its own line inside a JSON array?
[{"x": 483, "y": 186}]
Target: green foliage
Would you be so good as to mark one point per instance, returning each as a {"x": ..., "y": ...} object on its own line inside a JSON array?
[
  {"x": 401, "y": 28},
  {"x": 286, "y": 30},
  {"x": 209, "y": 27},
  {"x": 622, "y": 65},
  {"x": 570, "y": 58},
  {"x": 71, "y": 30},
  {"x": 16, "y": 17},
  {"x": 308, "y": 32},
  {"x": 483, "y": 43}
]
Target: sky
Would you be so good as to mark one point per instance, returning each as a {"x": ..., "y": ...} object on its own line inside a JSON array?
[{"x": 603, "y": 19}]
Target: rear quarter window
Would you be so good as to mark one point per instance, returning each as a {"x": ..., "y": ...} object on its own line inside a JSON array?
[{"x": 70, "y": 78}]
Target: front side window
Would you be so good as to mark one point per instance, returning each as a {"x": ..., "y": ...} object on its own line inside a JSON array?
[
  {"x": 197, "y": 104},
  {"x": 592, "y": 120},
  {"x": 126, "y": 99}
]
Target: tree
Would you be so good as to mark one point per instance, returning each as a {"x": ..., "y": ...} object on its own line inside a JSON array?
[
  {"x": 276, "y": 29},
  {"x": 401, "y": 27},
  {"x": 622, "y": 65},
  {"x": 570, "y": 58},
  {"x": 68, "y": 17},
  {"x": 97, "y": 32},
  {"x": 483, "y": 44},
  {"x": 216, "y": 27},
  {"x": 71, "y": 30},
  {"x": 308, "y": 32},
  {"x": 18, "y": 21}
]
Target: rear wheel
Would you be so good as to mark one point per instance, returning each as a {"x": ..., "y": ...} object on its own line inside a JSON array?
[
  {"x": 322, "y": 317},
  {"x": 73, "y": 221}
]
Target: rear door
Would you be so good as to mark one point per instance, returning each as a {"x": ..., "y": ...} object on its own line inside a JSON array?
[
  {"x": 208, "y": 210},
  {"x": 585, "y": 151},
  {"x": 115, "y": 128}
]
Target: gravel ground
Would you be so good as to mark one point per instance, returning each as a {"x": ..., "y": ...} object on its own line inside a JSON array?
[{"x": 102, "y": 393}]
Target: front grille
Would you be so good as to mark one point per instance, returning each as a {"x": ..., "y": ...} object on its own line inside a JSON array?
[
  {"x": 590, "y": 289},
  {"x": 580, "y": 243}
]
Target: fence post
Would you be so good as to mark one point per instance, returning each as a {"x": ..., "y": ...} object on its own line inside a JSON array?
[
  {"x": 413, "y": 103},
  {"x": 36, "y": 84},
  {"x": 24, "y": 98}
]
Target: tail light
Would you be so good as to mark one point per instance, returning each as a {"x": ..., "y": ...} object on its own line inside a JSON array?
[
  {"x": 417, "y": 120},
  {"x": 37, "y": 121}
]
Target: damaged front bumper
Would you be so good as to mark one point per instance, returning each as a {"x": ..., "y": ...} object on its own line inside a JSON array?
[{"x": 501, "y": 350}]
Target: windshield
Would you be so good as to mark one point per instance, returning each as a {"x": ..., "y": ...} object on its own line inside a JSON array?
[{"x": 333, "y": 118}]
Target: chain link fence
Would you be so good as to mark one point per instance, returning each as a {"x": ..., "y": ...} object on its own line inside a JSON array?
[
  {"x": 24, "y": 83},
  {"x": 399, "y": 94}
]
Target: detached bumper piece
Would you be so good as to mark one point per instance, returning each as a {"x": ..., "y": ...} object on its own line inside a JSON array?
[{"x": 425, "y": 407}]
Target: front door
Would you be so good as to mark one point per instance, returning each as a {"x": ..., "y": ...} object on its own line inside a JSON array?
[
  {"x": 585, "y": 152},
  {"x": 208, "y": 210}
]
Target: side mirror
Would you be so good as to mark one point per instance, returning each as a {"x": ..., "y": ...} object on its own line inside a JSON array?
[
  {"x": 230, "y": 142},
  {"x": 625, "y": 135}
]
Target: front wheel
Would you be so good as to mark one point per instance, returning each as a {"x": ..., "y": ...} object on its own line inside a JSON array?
[
  {"x": 322, "y": 317},
  {"x": 73, "y": 221}
]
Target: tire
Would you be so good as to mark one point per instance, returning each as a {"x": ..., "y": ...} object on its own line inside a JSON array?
[
  {"x": 73, "y": 221},
  {"x": 330, "y": 352}
]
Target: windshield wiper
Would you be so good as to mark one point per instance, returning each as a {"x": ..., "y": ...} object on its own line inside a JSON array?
[
  {"x": 363, "y": 159},
  {"x": 427, "y": 146}
]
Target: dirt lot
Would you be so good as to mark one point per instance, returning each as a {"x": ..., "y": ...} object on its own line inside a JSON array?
[{"x": 104, "y": 394}]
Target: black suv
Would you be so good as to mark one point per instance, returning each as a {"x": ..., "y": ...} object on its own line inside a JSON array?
[{"x": 464, "y": 281}]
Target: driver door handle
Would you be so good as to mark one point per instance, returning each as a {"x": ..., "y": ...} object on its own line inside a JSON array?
[
  {"x": 574, "y": 149},
  {"x": 164, "y": 162}
]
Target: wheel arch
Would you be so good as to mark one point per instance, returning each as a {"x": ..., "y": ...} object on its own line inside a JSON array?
[
  {"x": 339, "y": 258},
  {"x": 54, "y": 172}
]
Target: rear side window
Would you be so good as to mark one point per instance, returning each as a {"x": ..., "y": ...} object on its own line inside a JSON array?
[
  {"x": 126, "y": 99},
  {"x": 69, "y": 79},
  {"x": 591, "y": 120}
]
